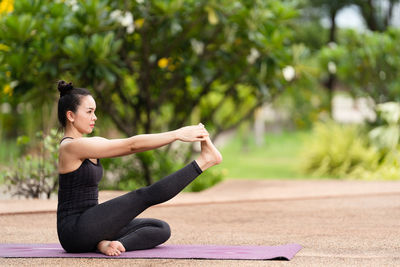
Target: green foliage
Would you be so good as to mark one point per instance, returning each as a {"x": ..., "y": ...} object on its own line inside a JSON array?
[
  {"x": 151, "y": 65},
  {"x": 312, "y": 35},
  {"x": 337, "y": 150},
  {"x": 206, "y": 180},
  {"x": 121, "y": 173},
  {"x": 35, "y": 174},
  {"x": 386, "y": 136},
  {"x": 388, "y": 169},
  {"x": 9, "y": 152},
  {"x": 349, "y": 151},
  {"x": 304, "y": 98},
  {"x": 368, "y": 62}
]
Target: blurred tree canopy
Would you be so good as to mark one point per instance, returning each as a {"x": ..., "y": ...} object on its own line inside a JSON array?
[
  {"x": 368, "y": 63},
  {"x": 377, "y": 14},
  {"x": 151, "y": 65}
]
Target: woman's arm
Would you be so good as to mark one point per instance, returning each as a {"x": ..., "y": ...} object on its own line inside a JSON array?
[{"x": 98, "y": 147}]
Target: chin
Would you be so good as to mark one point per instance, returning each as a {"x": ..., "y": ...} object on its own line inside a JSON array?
[{"x": 88, "y": 131}]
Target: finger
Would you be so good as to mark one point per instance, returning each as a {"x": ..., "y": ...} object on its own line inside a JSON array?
[{"x": 203, "y": 135}]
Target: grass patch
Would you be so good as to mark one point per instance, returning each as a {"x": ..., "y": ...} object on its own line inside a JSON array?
[
  {"x": 278, "y": 158},
  {"x": 9, "y": 152}
]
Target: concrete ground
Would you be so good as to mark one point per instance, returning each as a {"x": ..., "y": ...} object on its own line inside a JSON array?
[{"x": 338, "y": 223}]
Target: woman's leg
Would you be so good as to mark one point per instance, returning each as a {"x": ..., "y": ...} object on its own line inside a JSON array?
[
  {"x": 106, "y": 220},
  {"x": 143, "y": 234}
]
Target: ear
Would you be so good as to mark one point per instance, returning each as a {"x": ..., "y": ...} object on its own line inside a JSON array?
[{"x": 70, "y": 116}]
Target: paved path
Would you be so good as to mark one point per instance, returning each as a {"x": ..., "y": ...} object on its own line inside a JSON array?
[{"x": 339, "y": 223}]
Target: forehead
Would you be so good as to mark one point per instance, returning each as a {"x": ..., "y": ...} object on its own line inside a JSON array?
[{"x": 87, "y": 101}]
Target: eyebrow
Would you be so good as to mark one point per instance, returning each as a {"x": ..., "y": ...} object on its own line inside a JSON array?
[{"x": 91, "y": 108}]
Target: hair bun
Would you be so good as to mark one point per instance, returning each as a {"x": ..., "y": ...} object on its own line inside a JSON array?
[{"x": 64, "y": 87}]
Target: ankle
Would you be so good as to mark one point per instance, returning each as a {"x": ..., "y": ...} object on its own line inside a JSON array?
[{"x": 204, "y": 164}]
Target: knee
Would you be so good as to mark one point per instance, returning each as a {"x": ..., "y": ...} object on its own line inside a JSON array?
[{"x": 165, "y": 231}]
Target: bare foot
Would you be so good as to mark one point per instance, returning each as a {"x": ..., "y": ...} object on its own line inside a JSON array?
[
  {"x": 110, "y": 248},
  {"x": 209, "y": 155}
]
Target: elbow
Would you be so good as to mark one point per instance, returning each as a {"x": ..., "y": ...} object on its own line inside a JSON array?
[{"x": 134, "y": 146}]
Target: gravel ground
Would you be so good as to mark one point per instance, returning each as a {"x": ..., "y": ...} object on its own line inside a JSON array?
[{"x": 360, "y": 229}]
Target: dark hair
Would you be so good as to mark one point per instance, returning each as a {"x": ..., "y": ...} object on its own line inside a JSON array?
[{"x": 70, "y": 99}]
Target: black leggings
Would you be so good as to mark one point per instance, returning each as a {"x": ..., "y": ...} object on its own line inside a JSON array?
[{"x": 114, "y": 219}]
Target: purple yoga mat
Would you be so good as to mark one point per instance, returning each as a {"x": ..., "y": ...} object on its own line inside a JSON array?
[{"x": 283, "y": 252}]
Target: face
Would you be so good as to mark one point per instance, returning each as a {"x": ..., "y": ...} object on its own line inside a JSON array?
[{"x": 84, "y": 118}]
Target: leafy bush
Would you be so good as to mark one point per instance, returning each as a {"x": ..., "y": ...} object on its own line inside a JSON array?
[
  {"x": 351, "y": 151},
  {"x": 385, "y": 138},
  {"x": 338, "y": 150},
  {"x": 35, "y": 174},
  {"x": 389, "y": 169},
  {"x": 206, "y": 180}
]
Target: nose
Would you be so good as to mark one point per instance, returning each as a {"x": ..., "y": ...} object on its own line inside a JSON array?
[{"x": 94, "y": 117}]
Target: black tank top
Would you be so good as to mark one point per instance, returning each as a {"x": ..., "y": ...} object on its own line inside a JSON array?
[{"x": 78, "y": 190}]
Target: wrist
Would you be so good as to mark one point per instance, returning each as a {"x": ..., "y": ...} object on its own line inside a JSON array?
[{"x": 176, "y": 135}]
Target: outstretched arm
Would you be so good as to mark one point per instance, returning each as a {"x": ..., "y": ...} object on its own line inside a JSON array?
[{"x": 98, "y": 147}]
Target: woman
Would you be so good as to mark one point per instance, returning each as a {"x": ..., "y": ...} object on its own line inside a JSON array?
[{"x": 83, "y": 225}]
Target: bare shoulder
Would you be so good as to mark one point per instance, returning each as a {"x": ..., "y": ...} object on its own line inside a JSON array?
[
  {"x": 73, "y": 151},
  {"x": 69, "y": 144}
]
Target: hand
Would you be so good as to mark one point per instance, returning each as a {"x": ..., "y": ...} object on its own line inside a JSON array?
[{"x": 192, "y": 133}]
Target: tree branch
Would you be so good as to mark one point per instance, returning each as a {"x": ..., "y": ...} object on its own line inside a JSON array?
[{"x": 195, "y": 102}]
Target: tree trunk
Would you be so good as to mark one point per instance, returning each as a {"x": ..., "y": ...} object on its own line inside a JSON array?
[
  {"x": 331, "y": 79},
  {"x": 368, "y": 12},
  {"x": 389, "y": 15},
  {"x": 146, "y": 172},
  {"x": 332, "y": 31},
  {"x": 330, "y": 85}
]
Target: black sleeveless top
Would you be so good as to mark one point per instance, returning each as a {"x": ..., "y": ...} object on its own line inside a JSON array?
[{"x": 78, "y": 190}]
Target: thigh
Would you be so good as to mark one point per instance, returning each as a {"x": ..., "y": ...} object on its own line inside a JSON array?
[
  {"x": 139, "y": 223},
  {"x": 105, "y": 220}
]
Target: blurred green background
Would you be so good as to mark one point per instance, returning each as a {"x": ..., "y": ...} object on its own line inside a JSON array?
[{"x": 291, "y": 89}]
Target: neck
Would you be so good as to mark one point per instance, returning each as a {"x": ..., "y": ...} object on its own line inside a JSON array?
[{"x": 72, "y": 132}]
